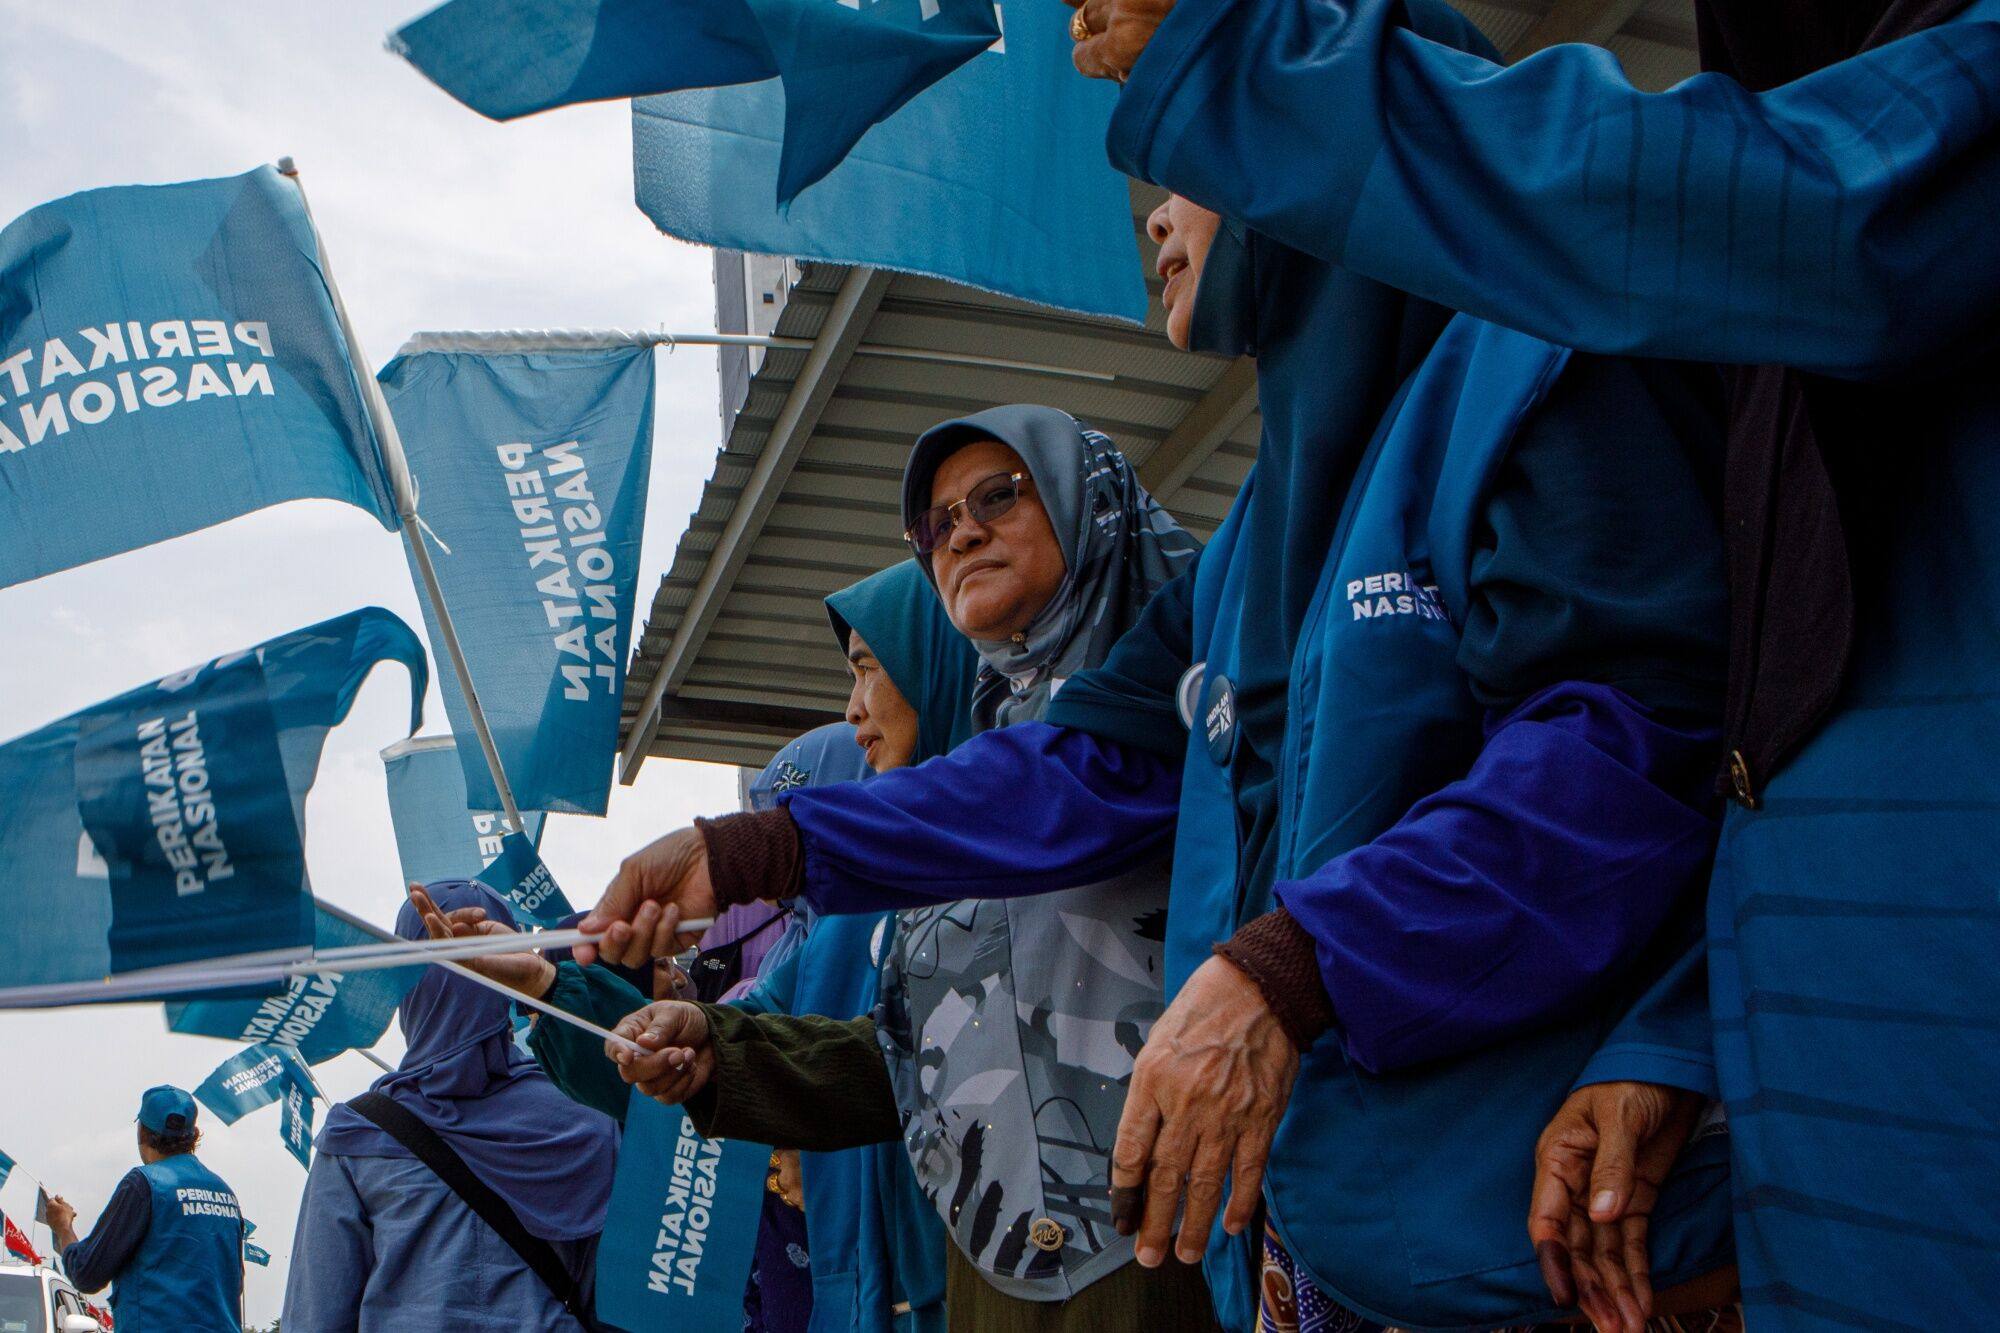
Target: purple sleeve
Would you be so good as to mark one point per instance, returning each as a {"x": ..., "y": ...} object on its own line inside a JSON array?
[
  {"x": 1513, "y": 894},
  {"x": 1026, "y": 809}
]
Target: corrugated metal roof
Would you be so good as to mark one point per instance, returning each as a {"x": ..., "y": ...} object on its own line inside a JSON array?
[{"x": 804, "y": 497}]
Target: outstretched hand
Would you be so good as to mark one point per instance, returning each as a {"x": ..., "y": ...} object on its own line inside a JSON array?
[
  {"x": 527, "y": 972},
  {"x": 656, "y": 888},
  {"x": 680, "y": 1058},
  {"x": 1598, "y": 1171}
]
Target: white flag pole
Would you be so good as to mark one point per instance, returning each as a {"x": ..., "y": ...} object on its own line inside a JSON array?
[{"x": 405, "y": 492}]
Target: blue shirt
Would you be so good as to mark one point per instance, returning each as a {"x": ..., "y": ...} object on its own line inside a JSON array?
[{"x": 384, "y": 1246}]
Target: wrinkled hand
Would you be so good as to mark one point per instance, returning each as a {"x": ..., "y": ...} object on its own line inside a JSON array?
[
  {"x": 61, "y": 1216},
  {"x": 681, "y": 1058},
  {"x": 1207, "y": 1093},
  {"x": 527, "y": 972},
  {"x": 654, "y": 890},
  {"x": 1119, "y": 31},
  {"x": 1598, "y": 1171},
  {"x": 791, "y": 1181}
]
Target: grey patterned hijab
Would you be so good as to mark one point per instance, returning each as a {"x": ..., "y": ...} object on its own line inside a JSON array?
[{"x": 1118, "y": 547}]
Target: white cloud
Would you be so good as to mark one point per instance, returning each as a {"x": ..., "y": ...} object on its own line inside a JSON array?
[{"x": 433, "y": 218}]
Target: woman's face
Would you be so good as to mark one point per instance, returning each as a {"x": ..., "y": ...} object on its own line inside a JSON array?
[
  {"x": 1183, "y": 230},
  {"x": 994, "y": 577},
  {"x": 885, "y": 725}
]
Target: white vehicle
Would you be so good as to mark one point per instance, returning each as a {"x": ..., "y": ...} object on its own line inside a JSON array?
[{"x": 41, "y": 1300}]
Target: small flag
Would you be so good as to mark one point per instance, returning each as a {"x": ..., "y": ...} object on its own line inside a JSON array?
[
  {"x": 533, "y": 467},
  {"x": 18, "y": 1243},
  {"x": 253, "y": 1077},
  {"x": 256, "y": 1254},
  {"x": 41, "y": 1206},
  {"x": 6, "y": 1168},
  {"x": 438, "y": 834},
  {"x": 519, "y": 876},
  {"x": 296, "y": 1127}
]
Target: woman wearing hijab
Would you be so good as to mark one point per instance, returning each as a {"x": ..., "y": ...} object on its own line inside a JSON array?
[
  {"x": 1005, "y": 1031},
  {"x": 383, "y": 1243},
  {"x": 1438, "y": 790},
  {"x": 1815, "y": 213},
  {"x": 878, "y": 1258}
]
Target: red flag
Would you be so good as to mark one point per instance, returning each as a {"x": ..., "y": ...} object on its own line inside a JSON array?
[
  {"x": 18, "y": 1243},
  {"x": 99, "y": 1313}
]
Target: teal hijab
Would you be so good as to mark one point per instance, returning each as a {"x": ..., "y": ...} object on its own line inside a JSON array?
[{"x": 931, "y": 663}]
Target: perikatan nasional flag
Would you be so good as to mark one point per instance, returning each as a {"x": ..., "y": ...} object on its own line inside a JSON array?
[
  {"x": 255, "y": 1076},
  {"x": 841, "y": 67},
  {"x": 320, "y": 1015},
  {"x": 437, "y": 835},
  {"x": 532, "y": 470},
  {"x": 996, "y": 177},
  {"x": 165, "y": 826},
  {"x": 169, "y": 358}
]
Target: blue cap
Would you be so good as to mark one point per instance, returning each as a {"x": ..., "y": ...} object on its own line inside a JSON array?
[{"x": 167, "y": 1110}]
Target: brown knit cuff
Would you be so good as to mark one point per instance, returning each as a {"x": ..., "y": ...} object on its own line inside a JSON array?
[
  {"x": 754, "y": 855},
  {"x": 1278, "y": 954}
]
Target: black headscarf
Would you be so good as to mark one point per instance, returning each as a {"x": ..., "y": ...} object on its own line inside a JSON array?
[{"x": 1805, "y": 452}]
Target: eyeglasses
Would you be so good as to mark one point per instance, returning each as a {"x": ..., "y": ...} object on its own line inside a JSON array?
[{"x": 987, "y": 500}]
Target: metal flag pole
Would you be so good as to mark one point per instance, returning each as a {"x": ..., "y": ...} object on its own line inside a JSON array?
[
  {"x": 405, "y": 492},
  {"x": 375, "y": 1060}
]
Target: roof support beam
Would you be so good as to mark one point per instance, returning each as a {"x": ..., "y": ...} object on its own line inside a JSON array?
[
  {"x": 1202, "y": 431},
  {"x": 847, "y": 319},
  {"x": 1593, "y": 21}
]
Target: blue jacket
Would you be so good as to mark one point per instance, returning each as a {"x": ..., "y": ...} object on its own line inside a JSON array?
[
  {"x": 1842, "y": 224},
  {"x": 188, "y": 1271}
]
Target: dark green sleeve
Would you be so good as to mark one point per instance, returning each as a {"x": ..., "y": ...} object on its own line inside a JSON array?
[
  {"x": 820, "y": 1084},
  {"x": 574, "y": 1059},
  {"x": 1601, "y": 558}
]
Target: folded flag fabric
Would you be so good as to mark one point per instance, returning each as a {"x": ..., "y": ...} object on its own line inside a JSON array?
[
  {"x": 519, "y": 876},
  {"x": 165, "y": 826},
  {"x": 17, "y": 1242},
  {"x": 41, "y": 1206},
  {"x": 317, "y": 1016},
  {"x": 169, "y": 359},
  {"x": 6, "y": 1168},
  {"x": 843, "y": 68},
  {"x": 994, "y": 176},
  {"x": 437, "y": 835},
  {"x": 256, "y": 1254}
]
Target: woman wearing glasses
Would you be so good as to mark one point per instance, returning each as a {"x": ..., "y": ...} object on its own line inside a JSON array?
[{"x": 1007, "y": 1029}]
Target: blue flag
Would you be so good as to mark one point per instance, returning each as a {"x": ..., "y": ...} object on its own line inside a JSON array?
[
  {"x": 318, "y": 1016},
  {"x": 519, "y": 876},
  {"x": 682, "y": 1225},
  {"x": 995, "y": 177},
  {"x": 256, "y": 1254},
  {"x": 164, "y": 826},
  {"x": 437, "y": 836},
  {"x": 532, "y": 467},
  {"x": 169, "y": 358},
  {"x": 841, "y": 68},
  {"x": 295, "y": 1127},
  {"x": 255, "y": 1076},
  {"x": 6, "y": 1169}
]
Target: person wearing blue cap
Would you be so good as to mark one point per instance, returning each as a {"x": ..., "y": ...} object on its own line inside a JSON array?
[{"x": 172, "y": 1236}]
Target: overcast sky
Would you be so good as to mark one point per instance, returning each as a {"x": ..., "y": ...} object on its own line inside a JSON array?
[{"x": 433, "y": 219}]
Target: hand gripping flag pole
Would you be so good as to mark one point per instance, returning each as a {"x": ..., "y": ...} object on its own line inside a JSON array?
[{"x": 404, "y": 486}]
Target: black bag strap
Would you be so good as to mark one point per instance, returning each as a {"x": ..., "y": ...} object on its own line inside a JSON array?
[{"x": 429, "y": 1147}]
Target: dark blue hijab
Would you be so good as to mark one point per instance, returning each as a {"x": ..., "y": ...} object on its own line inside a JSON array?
[{"x": 548, "y": 1157}]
